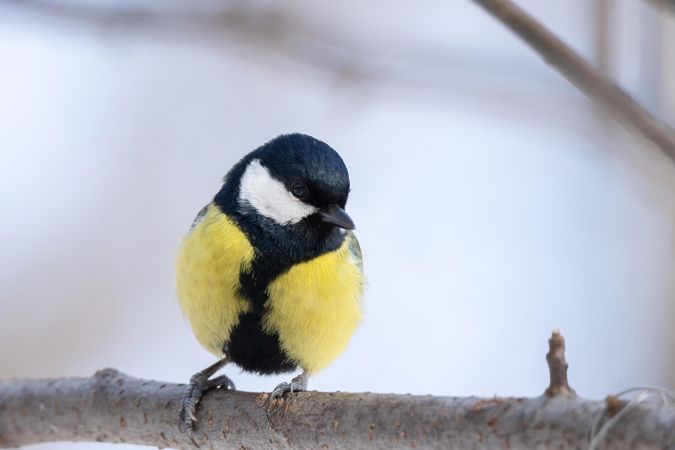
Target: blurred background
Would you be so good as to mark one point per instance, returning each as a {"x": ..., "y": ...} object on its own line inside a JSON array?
[{"x": 493, "y": 201}]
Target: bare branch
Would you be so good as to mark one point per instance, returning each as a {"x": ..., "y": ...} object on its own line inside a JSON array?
[
  {"x": 266, "y": 33},
  {"x": 113, "y": 407},
  {"x": 282, "y": 33},
  {"x": 582, "y": 74}
]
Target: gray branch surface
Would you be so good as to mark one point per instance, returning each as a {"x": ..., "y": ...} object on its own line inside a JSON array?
[
  {"x": 582, "y": 74},
  {"x": 113, "y": 407}
]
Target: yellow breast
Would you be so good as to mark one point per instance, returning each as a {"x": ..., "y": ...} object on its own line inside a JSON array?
[
  {"x": 315, "y": 307},
  {"x": 207, "y": 279}
]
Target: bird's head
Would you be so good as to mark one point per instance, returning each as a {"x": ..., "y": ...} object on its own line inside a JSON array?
[{"x": 294, "y": 178}]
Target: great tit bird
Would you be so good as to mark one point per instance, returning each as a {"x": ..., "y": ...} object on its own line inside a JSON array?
[{"x": 270, "y": 274}]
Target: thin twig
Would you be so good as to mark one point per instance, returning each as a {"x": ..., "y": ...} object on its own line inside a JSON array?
[
  {"x": 582, "y": 74},
  {"x": 557, "y": 366}
]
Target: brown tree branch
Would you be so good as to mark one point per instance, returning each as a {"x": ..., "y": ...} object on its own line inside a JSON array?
[
  {"x": 113, "y": 407},
  {"x": 582, "y": 74}
]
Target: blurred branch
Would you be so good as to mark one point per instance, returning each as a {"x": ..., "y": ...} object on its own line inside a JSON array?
[
  {"x": 603, "y": 36},
  {"x": 665, "y": 4},
  {"x": 247, "y": 23},
  {"x": 113, "y": 407},
  {"x": 582, "y": 74},
  {"x": 272, "y": 36},
  {"x": 266, "y": 27}
]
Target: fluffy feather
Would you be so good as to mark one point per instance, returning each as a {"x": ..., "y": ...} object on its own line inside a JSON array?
[
  {"x": 209, "y": 263},
  {"x": 315, "y": 307}
]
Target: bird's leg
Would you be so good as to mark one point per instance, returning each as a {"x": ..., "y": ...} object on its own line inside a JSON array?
[
  {"x": 199, "y": 384},
  {"x": 297, "y": 384}
]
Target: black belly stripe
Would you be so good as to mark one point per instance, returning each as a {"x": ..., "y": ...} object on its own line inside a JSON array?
[
  {"x": 256, "y": 351},
  {"x": 250, "y": 347}
]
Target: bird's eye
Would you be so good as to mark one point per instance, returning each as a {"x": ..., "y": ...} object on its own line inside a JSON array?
[{"x": 299, "y": 190}]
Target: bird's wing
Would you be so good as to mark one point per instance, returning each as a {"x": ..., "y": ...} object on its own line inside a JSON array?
[
  {"x": 200, "y": 216},
  {"x": 354, "y": 249}
]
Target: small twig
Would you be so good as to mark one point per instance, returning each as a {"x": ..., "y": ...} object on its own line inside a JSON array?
[
  {"x": 582, "y": 74},
  {"x": 557, "y": 366}
]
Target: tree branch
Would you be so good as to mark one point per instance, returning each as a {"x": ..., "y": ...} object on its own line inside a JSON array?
[
  {"x": 582, "y": 74},
  {"x": 113, "y": 407}
]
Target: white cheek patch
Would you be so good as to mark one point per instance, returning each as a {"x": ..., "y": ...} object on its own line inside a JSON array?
[{"x": 270, "y": 197}]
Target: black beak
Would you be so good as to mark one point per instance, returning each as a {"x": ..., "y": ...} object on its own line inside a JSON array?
[{"x": 337, "y": 216}]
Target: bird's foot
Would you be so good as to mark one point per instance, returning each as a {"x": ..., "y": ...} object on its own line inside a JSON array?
[
  {"x": 297, "y": 384},
  {"x": 199, "y": 385}
]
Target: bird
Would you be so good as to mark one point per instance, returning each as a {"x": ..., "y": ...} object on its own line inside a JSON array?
[{"x": 270, "y": 274}]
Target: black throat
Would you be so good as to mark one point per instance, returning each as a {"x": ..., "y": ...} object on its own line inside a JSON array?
[{"x": 278, "y": 247}]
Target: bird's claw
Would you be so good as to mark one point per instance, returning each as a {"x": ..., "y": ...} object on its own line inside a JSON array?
[
  {"x": 187, "y": 416},
  {"x": 297, "y": 384},
  {"x": 188, "y": 407},
  {"x": 280, "y": 390}
]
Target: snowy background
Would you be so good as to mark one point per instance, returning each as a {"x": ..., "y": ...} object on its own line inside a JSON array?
[{"x": 493, "y": 201}]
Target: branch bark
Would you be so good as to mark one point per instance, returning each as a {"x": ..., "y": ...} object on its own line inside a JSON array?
[
  {"x": 582, "y": 74},
  {"x": 113, "y": 407}
]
